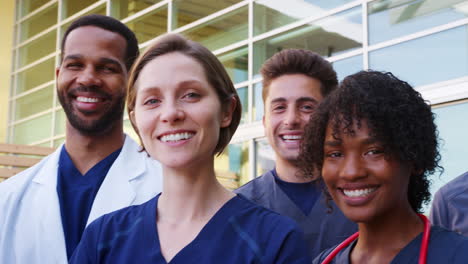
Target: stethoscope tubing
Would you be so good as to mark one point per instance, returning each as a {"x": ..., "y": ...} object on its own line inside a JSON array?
[{"x": 422, "y": 250}]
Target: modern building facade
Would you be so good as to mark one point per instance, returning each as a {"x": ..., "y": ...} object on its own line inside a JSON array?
[
  {"x": 6, "y": 30},
  {"x": 422, "y": 41}
]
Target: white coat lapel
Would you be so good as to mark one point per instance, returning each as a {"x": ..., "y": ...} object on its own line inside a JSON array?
[
  {"x": 116, "y": 191},
  {"x": 45, "y": 205}
]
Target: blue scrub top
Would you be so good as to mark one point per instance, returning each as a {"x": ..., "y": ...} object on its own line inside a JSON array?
[
  {"x": 303, "y": 194},
  {"x": 76, "y": 193},
  {"x": 450, "y": 206},
  {"x": 444, "y": 247},
  {"x": 240, "y": 232},
  {"x": 322, "y": 227}
]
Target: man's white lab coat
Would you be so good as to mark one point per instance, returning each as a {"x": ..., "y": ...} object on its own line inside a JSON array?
[{"x": 30, "y": 220}]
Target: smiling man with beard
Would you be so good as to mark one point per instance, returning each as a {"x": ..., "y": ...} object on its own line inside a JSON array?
[{"x": 98, "y": 169}]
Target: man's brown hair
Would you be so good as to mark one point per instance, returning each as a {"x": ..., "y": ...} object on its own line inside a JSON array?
[{"x": 299, "y": 61}]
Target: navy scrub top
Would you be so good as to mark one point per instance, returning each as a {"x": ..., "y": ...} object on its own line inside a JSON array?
[
  {"x": 240, "y": 232},
  {"x": 76, "y": 193},
  {"x": 444, "y": 247}
]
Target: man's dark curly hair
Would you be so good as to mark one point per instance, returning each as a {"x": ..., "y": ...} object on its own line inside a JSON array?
[
  {"x": 110, "y": 24},
  {"x": 396, "y": 115}
]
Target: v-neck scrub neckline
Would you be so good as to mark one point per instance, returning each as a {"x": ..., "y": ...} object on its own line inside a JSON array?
[{"x": 218, "y": 218}]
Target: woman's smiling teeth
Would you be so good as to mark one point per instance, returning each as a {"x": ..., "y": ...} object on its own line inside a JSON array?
[
  {"x": 359, "y": 192},
  {"x": 177, "y": 137}
]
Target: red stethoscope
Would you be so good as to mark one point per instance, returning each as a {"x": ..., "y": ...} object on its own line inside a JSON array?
[{"x": 422, "y": 251}]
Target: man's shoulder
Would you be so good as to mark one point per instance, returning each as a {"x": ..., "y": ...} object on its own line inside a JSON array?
[
  {"x": 253, "y": 187},
  {"x": 18, "y": 183},
  {"x": 448, "y": 245},
  {"x": 455, "y": 188},
  {"x": 132, "y": 150},
  {"x": 260, "y": 216}
]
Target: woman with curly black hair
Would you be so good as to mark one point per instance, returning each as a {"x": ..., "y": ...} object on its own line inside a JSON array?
[{"x": 375, "y": 143}]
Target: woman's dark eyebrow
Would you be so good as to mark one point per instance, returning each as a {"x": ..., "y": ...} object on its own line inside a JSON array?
[
  {"x": 371, "y": 140},
  {"x": 332, "y": 143}
]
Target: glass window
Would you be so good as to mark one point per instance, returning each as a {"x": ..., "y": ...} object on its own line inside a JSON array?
[
  {"x": 71, "y": 7},
  {"x": 34, "y": 103},
  {"x": 40, "y": 125},
  {"x": 101, "y": 10},
  {"x": 186, "y": 12},
  {"x": 264, "y": 157},
  {"x": 236, "y": 63},
  {"x": 434, "y": 58},
  {"x": 232, "y": 166},
  {"x": 36, "y": 75},
  {"x": 269, "y": 15},
  {"x": 14, "y": 63},
  {"x": 126, "y": 8},
  {"x": 37, "y": 49},
  {"x": 60, "y": 122},
  {"x": 59, "y": 142},
  {"x": 394, "y": 18},
  {"x": 150, "y": 25},
  {"x": 38, "y": 23},
  {"x": 330, "y": 36},
  {"x": 28, "y": 6},
  {"x": 258, "y": 102},
  {"x": 452, "y": 126},
  {"x": 243, "y": 93},
  {"x": 348, "y": 66},
  {"x": 222, "y": 31}
]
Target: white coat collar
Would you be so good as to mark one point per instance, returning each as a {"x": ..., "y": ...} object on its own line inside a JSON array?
[
  {"x": 116, "y": 190},
  {"x": 47, "y": 208},
  {"x": 49, "y": 164}
]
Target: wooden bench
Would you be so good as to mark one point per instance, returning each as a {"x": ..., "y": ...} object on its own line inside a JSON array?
[{"x": 15, "y": 158}]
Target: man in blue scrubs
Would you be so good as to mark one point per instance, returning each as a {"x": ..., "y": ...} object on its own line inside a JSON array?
[
  {"x": 294, "y": 83},
  {"x": 45, "y": 209},
  {"x": 450, "y": 205}
]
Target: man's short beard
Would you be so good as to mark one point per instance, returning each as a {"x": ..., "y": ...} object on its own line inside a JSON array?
[{"x": 110, "y": 118}]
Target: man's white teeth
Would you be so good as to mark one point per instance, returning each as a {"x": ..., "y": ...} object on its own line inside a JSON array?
[
  {"x": 292, "y": 137},
  {"x": 359, "y": 192},
  {"x": 87, "y": 99},
  {"x": 176, "y": 137}
]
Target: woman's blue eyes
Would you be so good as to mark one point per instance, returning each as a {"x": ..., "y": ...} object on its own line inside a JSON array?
[
  {"x": 189, "y": 96},
  {"x": 192, "y": 95},
  {"x": 152, "y": 101}
]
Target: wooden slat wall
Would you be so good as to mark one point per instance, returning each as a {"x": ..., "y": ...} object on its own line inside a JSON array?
[
  {"x": 25, "y": 149},
  {"x": 15, "y": 158}
]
